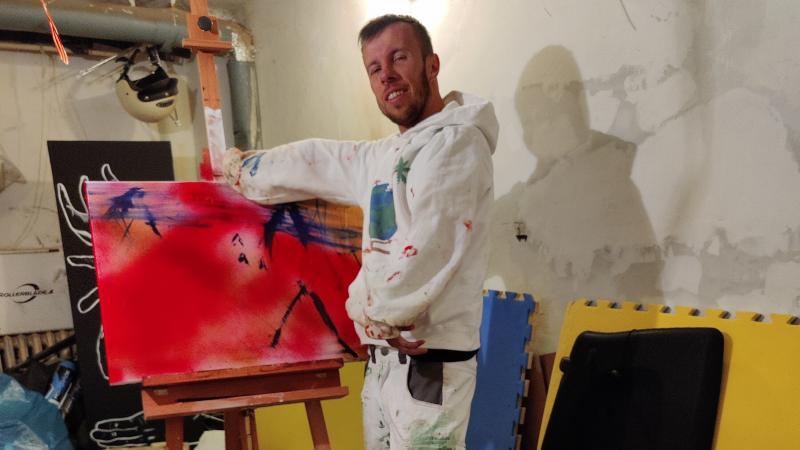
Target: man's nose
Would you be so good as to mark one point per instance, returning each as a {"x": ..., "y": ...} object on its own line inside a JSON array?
[{"x": 388, "y": 74}]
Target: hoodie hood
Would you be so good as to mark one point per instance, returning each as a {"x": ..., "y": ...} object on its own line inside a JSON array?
[{"x": 462, "y": 109}]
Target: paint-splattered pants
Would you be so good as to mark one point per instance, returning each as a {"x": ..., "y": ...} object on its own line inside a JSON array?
[{"x": 411, "y": 404}]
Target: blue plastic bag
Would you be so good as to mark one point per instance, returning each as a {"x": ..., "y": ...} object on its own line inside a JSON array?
[{"x": 28, "y": 421}]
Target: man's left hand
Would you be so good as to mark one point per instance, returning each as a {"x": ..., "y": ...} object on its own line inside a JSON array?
[{"x": 411, "y": 348}]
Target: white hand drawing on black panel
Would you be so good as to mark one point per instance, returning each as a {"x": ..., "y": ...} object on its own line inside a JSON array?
[
  {"x": 131, "y": 431},
  {"x": 78, "y": 222},
  {"x": 134, "y": 431}
]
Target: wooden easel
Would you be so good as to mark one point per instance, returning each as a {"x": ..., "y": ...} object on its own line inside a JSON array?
[{"x": 236, "y": 392}]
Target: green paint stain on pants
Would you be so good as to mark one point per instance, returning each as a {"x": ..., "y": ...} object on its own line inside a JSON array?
[{"x": 431, "y": 437}]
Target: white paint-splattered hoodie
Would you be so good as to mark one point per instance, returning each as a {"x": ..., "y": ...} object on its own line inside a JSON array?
[{"x": 426, "y": 196}]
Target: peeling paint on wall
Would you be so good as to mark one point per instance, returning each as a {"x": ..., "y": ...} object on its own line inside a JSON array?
[{"x": 710, "y": 189}]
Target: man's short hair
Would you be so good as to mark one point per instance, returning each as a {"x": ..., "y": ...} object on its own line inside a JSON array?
[{"x": 378, "y": 24}]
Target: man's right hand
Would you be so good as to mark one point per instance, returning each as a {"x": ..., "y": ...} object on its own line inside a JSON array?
[{"x": 232, "y": 166}]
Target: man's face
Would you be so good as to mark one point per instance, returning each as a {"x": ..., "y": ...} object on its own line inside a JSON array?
[{"x": 398, "y": 74}]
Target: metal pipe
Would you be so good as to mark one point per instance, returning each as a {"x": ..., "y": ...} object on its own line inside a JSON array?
[
  {"x": 243, "y": 85},
  {"x": 244, "y": 97},
  {"x": 165, "y": 27},
  {"x": 40, "y": 48}
]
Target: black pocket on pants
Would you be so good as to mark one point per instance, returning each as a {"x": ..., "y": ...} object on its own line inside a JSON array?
[{"x": 425, "y": 380}]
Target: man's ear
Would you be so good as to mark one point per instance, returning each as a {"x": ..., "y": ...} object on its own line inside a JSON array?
[{"x": 432, "y": 63}]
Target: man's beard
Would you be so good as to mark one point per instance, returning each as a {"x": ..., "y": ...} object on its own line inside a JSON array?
[{"x": 415, "y": 109}]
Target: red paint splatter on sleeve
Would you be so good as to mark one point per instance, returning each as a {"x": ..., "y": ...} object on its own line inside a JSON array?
[
  {"x": 392, "y": 276},
  {"x": 409, "y": 251},
  {"x": 468, "y": 225}
]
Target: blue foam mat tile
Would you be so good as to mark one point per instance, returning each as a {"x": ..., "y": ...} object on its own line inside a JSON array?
[{"x": 502, "y": 361}]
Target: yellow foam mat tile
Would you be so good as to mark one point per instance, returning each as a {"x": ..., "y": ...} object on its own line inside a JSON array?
[{"x": 760, "y": 396}]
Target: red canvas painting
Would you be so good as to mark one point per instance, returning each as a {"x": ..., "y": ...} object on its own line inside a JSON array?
[{"x": 192, "y": 276}]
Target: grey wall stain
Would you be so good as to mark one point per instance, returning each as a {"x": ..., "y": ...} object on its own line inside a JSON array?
[
  {"x": 587, "y": 232},
  {"x": 731, "y": 269}
]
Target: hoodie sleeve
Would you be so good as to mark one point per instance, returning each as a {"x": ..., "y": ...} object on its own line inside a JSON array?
[
  {"x": 314, "y": 168},
  {"x": 449, "y": 182}
]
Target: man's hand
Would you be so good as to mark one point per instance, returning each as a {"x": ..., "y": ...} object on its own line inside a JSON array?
[
  {"x": 232, "y": 166},
  {"x": 412, "y": 348}
]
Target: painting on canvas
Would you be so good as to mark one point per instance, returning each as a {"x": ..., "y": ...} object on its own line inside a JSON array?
[{"x": 192, "y": 277}]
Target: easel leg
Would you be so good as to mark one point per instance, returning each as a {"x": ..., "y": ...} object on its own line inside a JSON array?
[
  {"x": 174, "y": 433},
  {"x": 244, "y": 436},
  {"x": 233, "y": 430},
  {"x": 252, "y": 433},
  {"x": 319, "y": 434}
]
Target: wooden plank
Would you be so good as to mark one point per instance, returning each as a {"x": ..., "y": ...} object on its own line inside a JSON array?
[
  {"x": 208, "y": 80},
  {"x": 207, "y": 45},
  {"x": 22, "y": 344},
  {"x": 199, "y": 7},
  {"x": 240, "y": 387},
  {"x": 548, "y": 361},
  {"x": 36, "y": 343},
  {"x": 534, "y": 409},
  {"x": 243, "y": 372},
  {"x": 9, "y": 359},
  {"x": 153, "y": 410}
]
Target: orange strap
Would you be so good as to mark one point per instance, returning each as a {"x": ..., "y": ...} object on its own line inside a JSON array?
[{"x": 62, "y": 52}]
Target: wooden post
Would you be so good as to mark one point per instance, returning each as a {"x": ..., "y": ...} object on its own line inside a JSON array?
[
  {"x": 233, "y": 427},
  {"x": 316, "y": 421},
  {"x": 174, "y": 433},
  {"x": 252, "y": 432},
  {"x": 203, "y": 40}
]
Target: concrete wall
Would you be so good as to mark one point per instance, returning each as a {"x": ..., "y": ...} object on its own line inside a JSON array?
[
  {"x": 310, "y": 78},
  {"x": 649, "y": 149}
]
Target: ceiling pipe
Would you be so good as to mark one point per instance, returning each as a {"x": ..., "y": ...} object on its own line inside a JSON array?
[
  {"x": 243, "y": 84},
  {"x": 164, "y": 27},
  {"x": 40, "y": 48}
]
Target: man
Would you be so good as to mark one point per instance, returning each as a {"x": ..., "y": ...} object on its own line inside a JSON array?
[{"x": 426, "y": 194}]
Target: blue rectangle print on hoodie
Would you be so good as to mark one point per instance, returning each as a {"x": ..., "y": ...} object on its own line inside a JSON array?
[{"x": 382, "y": 225}]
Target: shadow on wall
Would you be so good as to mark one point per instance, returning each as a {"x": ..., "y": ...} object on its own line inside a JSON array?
[{"x": 577, "y": 227}]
